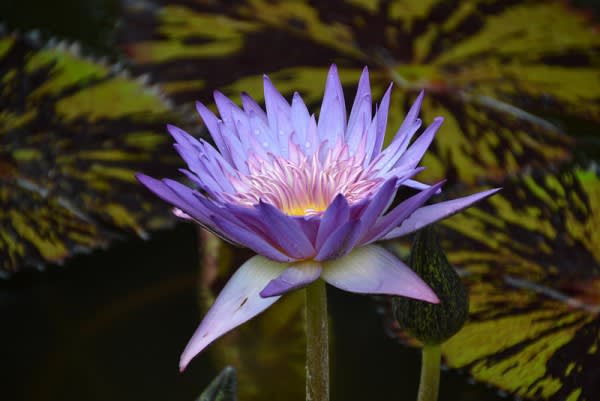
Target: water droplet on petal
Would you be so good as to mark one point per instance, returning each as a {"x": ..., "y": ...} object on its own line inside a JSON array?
[
  {"x": 266, "y": 144},
  {"x": 307, "y": 144}
]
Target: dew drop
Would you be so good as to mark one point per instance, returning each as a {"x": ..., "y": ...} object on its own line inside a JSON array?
[{"x": 307, "y": 144}]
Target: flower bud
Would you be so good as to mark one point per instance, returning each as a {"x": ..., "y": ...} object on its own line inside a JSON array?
[{"x": 433, "y": 323}]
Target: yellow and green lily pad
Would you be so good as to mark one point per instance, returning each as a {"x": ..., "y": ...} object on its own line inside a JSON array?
[
  {"x": 530, "y": 257},
  {"x": 496, "y": 74},
  {"x": 73, "y": 131}
]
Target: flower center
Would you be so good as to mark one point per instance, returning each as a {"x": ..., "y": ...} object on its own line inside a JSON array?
[{"x": 304, "y": 186}]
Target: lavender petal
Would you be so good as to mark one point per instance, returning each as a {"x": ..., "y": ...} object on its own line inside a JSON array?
[
  {"x": 336, "y": 214},
  {"x": 373, "y": 270},
  {"x": 340, "y": 241},
  {"x": 238, "y": 302},
  {"x": 296, "y": 276},
  {"x": 432, "y": 213}
]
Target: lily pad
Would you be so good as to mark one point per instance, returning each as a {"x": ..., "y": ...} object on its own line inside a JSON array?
[
  {"x": 73, "y": 131},
  {"x": 488, "y": 67},
  {"x": 530, "y": 258}
]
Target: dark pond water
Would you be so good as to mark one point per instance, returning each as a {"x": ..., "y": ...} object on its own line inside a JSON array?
[{"x": 111, "y": 325}]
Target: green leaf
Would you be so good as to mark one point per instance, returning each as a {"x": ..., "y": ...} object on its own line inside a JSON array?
[
  {"x": 487, "y": 66},
  {"x": 530, "y": 258},
  {"x": 222, "y": 388},
  {"x": 73, "y": 132}
]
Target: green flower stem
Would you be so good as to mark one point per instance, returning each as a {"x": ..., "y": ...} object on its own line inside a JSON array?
[
  {"x": 430, "y": 373},
  {"x": 317, "y": 343}
]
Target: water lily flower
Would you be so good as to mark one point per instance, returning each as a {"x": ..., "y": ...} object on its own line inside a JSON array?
[{"x": 310, "y": 197}]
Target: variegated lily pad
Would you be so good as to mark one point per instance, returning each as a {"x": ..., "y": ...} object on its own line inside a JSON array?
[
  {"x": 73, "y": 132},
  {"x": 530, "y": 257},
  {"x": 488, "y": 67}
]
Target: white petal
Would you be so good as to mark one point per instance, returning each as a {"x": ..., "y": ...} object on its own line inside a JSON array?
[
  {"x": 238, "y": 302},
  {"x": 296, "y": 276},
  {"x": 373, "y": 270}
]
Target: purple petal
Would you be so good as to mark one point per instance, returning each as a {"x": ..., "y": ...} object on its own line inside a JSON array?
[
  {"x": 381, "y": 117},
  {"x": 177, "y": 195},
  {"x": 340, "y": 241},
  {"x": 432, "y": 213},
  {"x": 286, "y": 231},
  {"x": 296, "y": 276},
  {"x": 263, "y": 134},
  {"x": 274, "y": 103},
  {"x": 390, "y": 155},
  {"x": 312, "y": 140},
  {"x": 399, "y": 214},
  {"x": 417, "y": 185},
  {"x": 373, "y": 270},
  {"x": 225, "y": 107},
  {"x": 411, "y": 117},
  {"x": 332, "y": 116},
  {"x": 188, "y": 147},
  {"x": 310, "y": 226},
  {"x": 238, "y": 302},
  {"x": 337, "y": 213},
  {"x": 413, "y": 155},
  {"x": 234, "y": 146},
  {"x": 362, "y": 103},
  {"x": 211, "y": 122},
  {"x": 370, "y": 136},
  {"x": 378, "y": 204},
  {"x": 300, "y": 119},
  {"x": 250, "y": 106},
  {"x": 250, "y": 239}
]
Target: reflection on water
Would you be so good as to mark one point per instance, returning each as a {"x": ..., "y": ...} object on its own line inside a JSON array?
[{"x": 112, "y": 326}]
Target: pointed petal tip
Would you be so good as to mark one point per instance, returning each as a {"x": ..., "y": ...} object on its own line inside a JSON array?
[
  {"x": 186, "y": 356},
  {"x": 429, "y": 296},
  {"x": 176, "y": 132},
  {"x": 271, "y": 290},
  {"x": 237, "y": 303},
  {"x": 145, "y": 179}
]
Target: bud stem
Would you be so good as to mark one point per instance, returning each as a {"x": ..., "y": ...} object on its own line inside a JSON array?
[
  {"x": 317, "y": 343},
  {"x": 430, "y": 373}
]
